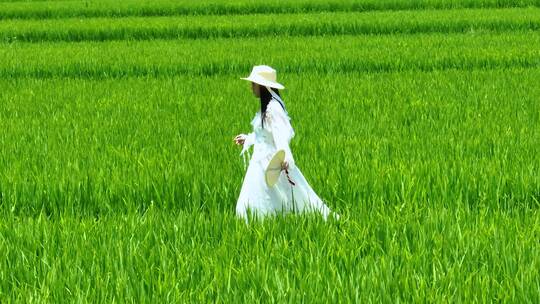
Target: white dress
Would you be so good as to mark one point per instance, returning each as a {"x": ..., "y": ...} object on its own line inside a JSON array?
[{"x": 255, "y": 195}]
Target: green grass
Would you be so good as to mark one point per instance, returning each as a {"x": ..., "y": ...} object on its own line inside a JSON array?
[
  {"x": 81, "y": 145},
  {"x": 381, "y": 254},
  {"x": 335, "y": 54},
  {"x": 108, "y": 8},
  {"x": 420, "y": 127},
  {"x": 323, "y": 24}
]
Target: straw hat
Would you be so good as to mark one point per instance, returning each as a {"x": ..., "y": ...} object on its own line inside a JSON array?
[{"x": 265, "y": 76}]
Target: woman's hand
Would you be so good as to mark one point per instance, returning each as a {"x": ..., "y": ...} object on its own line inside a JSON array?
[
  {"x": 284, "y": 165},
  {"x": 240, "y": 139}
]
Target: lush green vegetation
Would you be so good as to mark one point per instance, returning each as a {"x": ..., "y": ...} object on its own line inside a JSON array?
[
  {"x": 336, "y": 54},
  {"x": 323, "y": 24},
  {"x": 107, "y": 8},
  {"x": 420, "y": 140},
  {"x": 119, "y": 178},
  {"x": 382, "y": 254}
]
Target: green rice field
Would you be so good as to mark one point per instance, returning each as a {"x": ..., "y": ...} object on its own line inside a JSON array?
[{"x": 418, "y": 121}]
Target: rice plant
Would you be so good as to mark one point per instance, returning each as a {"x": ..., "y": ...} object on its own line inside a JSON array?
[
  {"x": 119, "y": 178},
  {"x": 313, "y": 24}
]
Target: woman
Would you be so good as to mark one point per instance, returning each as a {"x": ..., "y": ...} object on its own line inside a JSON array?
[{"x": 272, "y": 131}]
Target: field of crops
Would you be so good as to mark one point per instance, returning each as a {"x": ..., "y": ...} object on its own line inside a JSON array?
[{"x": 417, "y": 121}]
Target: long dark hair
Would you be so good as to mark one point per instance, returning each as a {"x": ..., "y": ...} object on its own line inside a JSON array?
[{"x": 265, "y": 98}]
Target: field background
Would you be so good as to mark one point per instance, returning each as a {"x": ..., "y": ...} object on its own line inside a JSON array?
[{"x": 417, "y": 121}]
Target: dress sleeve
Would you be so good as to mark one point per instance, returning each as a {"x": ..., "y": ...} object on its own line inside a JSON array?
[
  {"x": 278, "y": 123},
  {"x": 249, "y": 140}
]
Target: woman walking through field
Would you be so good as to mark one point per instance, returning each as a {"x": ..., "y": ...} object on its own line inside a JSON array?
[{"x": 272, "y": 131}]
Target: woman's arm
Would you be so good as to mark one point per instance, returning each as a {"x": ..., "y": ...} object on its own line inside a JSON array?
[
  {"x": 249, "y": 140},
  {"x": 279, "y": 125}
]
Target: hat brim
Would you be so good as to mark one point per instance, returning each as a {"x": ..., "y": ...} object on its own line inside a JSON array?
[{"x": 264, "y": 82}]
